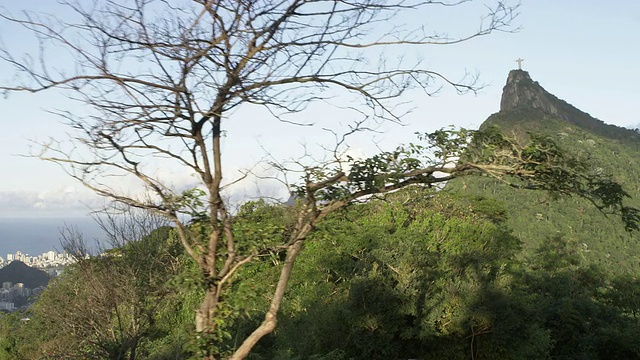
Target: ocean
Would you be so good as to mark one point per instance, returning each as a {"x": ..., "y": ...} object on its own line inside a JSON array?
[{"x": 35, "y": 236}]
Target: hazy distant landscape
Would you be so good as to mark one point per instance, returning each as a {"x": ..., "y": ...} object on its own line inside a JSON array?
[{"x": 37, "y": 235}]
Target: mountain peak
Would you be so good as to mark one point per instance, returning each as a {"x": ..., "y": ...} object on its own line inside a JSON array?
[
  {"x": 522, "y": 91},
  {"x": 517, "y": 76},
  {"x": 19, "y": 272},
  {"x": 523, "y": 95}
]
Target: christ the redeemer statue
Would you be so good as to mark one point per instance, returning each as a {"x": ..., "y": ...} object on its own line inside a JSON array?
[{"x": 519, "y": 61}]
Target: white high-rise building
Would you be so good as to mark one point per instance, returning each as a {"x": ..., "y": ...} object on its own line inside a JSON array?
[{"x": 51, "y": 255}]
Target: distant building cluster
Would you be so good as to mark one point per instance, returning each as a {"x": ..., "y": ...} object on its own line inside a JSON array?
[
  {"x": 13, "y": 296},
  {"x": 48, "y": 259},
  {"x": 11, "y": 293}
]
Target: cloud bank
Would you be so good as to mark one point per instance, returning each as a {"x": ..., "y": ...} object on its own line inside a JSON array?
[{"x": 65, "y": 201}]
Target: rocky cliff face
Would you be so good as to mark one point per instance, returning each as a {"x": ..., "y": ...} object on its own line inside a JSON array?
[{"x": 522, "y": 93}]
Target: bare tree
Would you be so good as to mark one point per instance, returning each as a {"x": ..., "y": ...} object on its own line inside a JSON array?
[
  {"x": 73, "y": 242},
  {"x": 121, "y": 224},
  {"x": 124, "y": 225},
  {"x": 106, "y": 304},
  {"x": 160, "y": 79}
]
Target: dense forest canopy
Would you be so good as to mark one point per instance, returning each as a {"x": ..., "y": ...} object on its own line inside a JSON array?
[{"x": 422, "y": 274}]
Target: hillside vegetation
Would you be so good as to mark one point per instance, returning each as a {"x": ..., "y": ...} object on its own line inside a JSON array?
[
  {"x": 474, "y": 271},
  {"x": 536, "y": 217},
  {"x": 421, "y": 275}
]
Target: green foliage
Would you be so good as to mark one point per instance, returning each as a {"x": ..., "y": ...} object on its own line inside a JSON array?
[
  {"x": 435, "y": 276},
  {"x": 540, "y": 163},
  {"x": 609, "y": 156},
  {"x": 259, "y": 225},
  {"x": 421, "y": 274},
  {"x": 571, "y": 299},
  {"x": 388, "y": 280},
  {"x": 118, "y": 306},
  {"x": 624, "y": 293}
]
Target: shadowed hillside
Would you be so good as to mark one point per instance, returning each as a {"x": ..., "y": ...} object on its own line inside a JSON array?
[{"x": 19, "y": 272}]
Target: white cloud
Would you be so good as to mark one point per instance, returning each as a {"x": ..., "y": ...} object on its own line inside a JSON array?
[{"x": 59, "y": 201}]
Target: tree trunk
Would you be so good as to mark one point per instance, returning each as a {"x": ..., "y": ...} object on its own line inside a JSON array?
[
  {"x": 204, "y": 317},
  {"x": 132, "y": 353},
  {"x": 270, "y": 319}
]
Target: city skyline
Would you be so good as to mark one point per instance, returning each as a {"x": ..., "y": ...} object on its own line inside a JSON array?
[{"x": 51, "y": 258}]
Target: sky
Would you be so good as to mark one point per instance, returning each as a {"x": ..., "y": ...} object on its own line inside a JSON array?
[{"x": 583, "y": 51}]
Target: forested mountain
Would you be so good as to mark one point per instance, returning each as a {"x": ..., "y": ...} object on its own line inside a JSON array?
[
  {"x": 475, "y": 271},
  {"x": 527, "y": 108}
]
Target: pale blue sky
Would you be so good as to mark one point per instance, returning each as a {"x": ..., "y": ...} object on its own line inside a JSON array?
[{"x": 584, "y": 51}]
